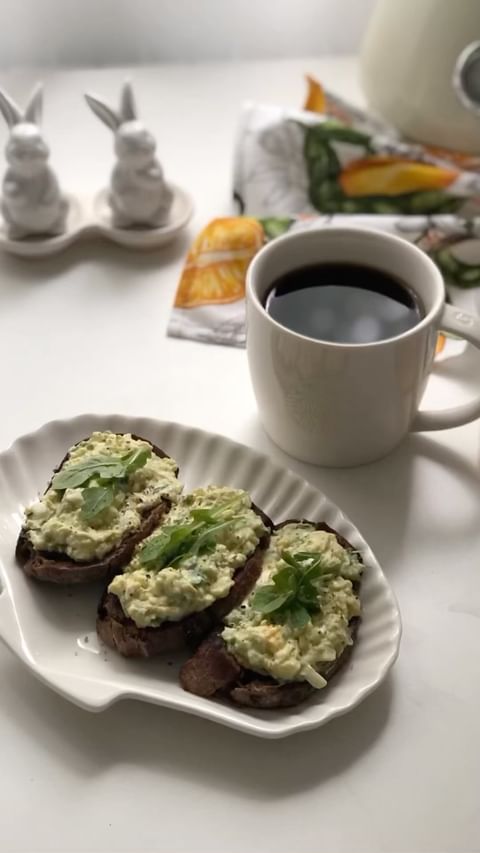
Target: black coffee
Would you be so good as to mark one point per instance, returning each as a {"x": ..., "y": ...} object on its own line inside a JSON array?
[{"x": 344, "y": 303}]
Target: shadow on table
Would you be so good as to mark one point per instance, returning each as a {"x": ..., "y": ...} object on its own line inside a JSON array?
[
  {"x": 33, "y": 272},
  {"x": 184, "y": 747},
  {"x": 386, "y": 498}
]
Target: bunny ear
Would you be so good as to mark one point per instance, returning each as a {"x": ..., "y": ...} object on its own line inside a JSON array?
[
  {"x": 9, "y": 109},
  {"x": 104, "y": 112},
  {"x": 128, "y": 108},
  {"x": 33, "y": 112}
]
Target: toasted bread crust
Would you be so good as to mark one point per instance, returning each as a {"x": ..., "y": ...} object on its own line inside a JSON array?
[
  {"x": 214, "y": 670},
  {"x": 58, "y": 568},
  {"x": 122, "y": 634}
]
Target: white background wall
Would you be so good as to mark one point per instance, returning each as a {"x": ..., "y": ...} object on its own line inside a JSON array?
[{"x": 108, "y": 32}]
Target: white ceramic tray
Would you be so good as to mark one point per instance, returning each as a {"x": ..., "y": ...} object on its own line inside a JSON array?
[
  {"x": 91, "y": 217},
  {"x": 51, "y": 629}
]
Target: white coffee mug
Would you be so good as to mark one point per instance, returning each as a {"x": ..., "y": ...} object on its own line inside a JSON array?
[{"x": 341, "y": 404}]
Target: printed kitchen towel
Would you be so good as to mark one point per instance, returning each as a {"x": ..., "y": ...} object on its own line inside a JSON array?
[
  {"x": 326, "y": 165},
  {"x": 210, "y": 300}
]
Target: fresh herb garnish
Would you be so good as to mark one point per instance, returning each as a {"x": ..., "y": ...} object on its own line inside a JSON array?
[
  {"x": 293, "y": 595},
  {"x": 195, "y": 537},
  {"x": 96, "y": 499},
  {"x": 207, "y": 537},
  {"x": 135, "y": 459},
  {"x": 104, "y": 467},
  {"x": 101, "y": 477},
  {"x": 173, "y": 542}
]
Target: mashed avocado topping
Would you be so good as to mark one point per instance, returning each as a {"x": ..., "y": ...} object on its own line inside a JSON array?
[
  {"x": 190, "y": 560},
  {"x": 297, "y": 617},
  {"x": 99, "y": 495}
]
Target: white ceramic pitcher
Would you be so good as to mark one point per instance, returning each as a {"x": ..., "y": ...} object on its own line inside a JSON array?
[{"x": 408, "y": 62}]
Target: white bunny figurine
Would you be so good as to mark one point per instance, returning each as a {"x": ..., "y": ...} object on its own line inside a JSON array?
[
  {"x": 139, "y": 195},
  {"x": 31, "y": 199}
]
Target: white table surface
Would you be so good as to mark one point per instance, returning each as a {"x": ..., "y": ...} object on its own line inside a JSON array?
[{"x": 85, "y": 331}]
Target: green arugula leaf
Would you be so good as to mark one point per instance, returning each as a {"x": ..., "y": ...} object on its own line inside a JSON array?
[
  {"x": 101, "y": 477},
  {"x": 311, "y": 565},
  {"x": 285, "y": 580},
  {"x": 199, "y": 536},
  {"x": 152, "y": 551},
  {"x": 267, "y": 599},
  {"x": 136, "y": 459},
  {"x": 306, "y": 593},
  {"x": 289, "y": 559},
  {"x": 103, "y": 467},
  {"x": 298, "y": 616},
  {"x": 215, "y": 514},
  {"x": 171, "y": 543},
  {"x": 95, "y": 500},
  {"x": 293, "y": 595},
  {"x": 208, "y": 537},
  {"x": 99, "y": 466},
  {"x": 206, "y": 516},
  {"x": 315, "y": 572}
]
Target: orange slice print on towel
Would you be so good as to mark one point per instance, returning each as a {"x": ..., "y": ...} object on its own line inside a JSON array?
[
  {"x": 315, "y": 102},
  {"x": 390, "y": 176},
  {"x": 229, "y": 234},
  {"x": 441, "y": 341},
  {"x": 217, "y": 263},
  {"x": 215, "y": 284}
]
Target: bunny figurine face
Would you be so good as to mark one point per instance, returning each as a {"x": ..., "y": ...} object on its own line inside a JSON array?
[
  {"x": 139, "y": 195},
  {"x": 26, "y": 150},
  {"x": 31, "y": 199},
  {"x": 134, "y": 144}
]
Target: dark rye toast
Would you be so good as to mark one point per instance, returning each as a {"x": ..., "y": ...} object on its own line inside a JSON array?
[
  {"x": 214, "y": 671},
  {"x": 121, "y": 633},
  {"x": 59, "y": 568}
]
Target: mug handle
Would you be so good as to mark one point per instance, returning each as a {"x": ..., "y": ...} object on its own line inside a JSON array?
[{"x": 467, "y": 327}]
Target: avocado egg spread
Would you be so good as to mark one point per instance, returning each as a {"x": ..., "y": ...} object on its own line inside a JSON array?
[
  {"x": 297, "y": 618},
  {"x": 98, "y": 496},
  {"x": 191, "y": 559}
]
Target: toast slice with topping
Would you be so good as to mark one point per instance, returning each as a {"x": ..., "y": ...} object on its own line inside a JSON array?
[
  {"x": 295, "y": 630},
  {"x": 106, "y": 496},
  {"x": 187, "y": 575}
]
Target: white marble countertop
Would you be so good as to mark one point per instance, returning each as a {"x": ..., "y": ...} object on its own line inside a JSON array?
[{"x": 85, "y": 331}]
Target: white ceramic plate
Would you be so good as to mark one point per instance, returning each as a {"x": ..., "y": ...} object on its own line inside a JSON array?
[
  {"x": 89, "y": 216},
  {"x": 51, "y": 629}
]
